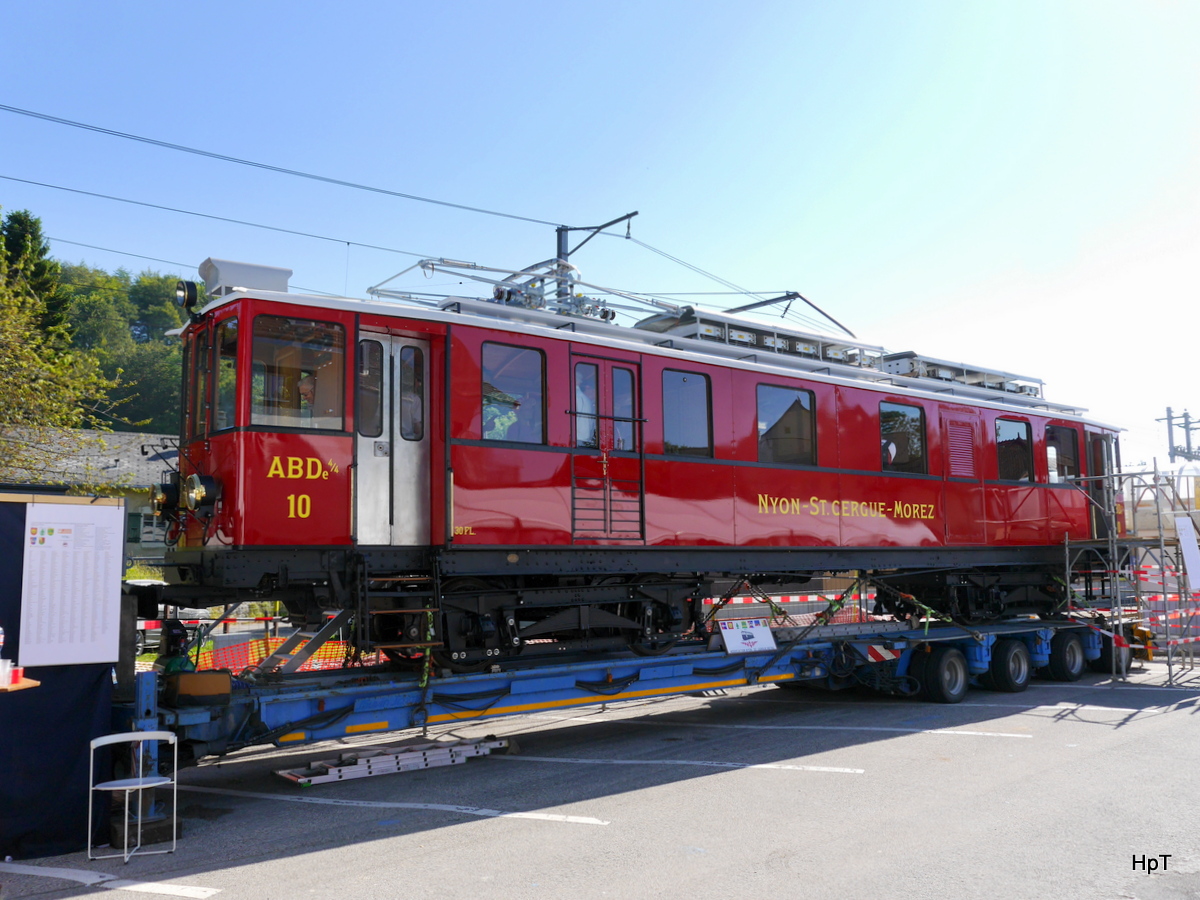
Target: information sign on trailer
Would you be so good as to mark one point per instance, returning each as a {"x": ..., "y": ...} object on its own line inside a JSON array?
[{"x": 747, "y": 635}]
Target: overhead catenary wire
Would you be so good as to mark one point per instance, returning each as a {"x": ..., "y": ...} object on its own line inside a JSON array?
[
  {"x": 341, "y": 183},
  {"x": 268, "y": 167},
  {"x": 188, "y": 212},
  {"x": 170, "y": 262}
]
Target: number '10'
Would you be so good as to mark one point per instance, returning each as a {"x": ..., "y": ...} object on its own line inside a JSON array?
[{"x": 299, "y": 506}]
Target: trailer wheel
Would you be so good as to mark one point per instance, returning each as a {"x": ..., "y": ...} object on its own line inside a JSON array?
[
  {"x": 1010, "y": 669},
  {"x": 916, "y": 669},
  {"x": 945, "y": 675},
  {"x": 1066, "y": 657}
]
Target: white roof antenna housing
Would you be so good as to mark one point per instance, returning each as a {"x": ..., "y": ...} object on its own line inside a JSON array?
[{"x": 224, "y": 276}]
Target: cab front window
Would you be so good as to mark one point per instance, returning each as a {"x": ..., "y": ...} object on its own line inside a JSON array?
[{"x": 298, "y": 374}]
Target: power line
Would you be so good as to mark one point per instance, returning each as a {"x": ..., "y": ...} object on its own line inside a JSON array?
[
  {"x": 266, "y": 166},
  {"x": 188, "y": 212},
  {"x": 169, "y": 262},
  {"x": 328, "y": 180}
]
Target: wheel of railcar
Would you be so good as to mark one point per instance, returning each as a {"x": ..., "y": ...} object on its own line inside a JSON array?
[
  {"x": 654, "y": 645},
  {"x": 662, "y": 636},
  {"x": 1104, "y": 663},
  {"x": 1010, "y": 669},
  {"x": 472, "y": 659},
  {"x": 946, "y": 675},
  {"x": 1067, "y": 661}
]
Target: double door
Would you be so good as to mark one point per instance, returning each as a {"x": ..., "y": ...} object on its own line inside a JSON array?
[
  {"x": 607, "y": 465},
  {"x": 392, "y": 496}
]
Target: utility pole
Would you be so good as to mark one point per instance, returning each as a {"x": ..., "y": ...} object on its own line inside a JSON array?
[{"x": 1186, "y": 452}]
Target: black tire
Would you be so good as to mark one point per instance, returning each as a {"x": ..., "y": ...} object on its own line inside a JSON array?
[
  {"x": 139, "y": 643},
  {"x": 1103, "y": 664},
  {"x": 916, "y": 669},
  {"x": 946, "y": 675},
  {"x": 1010, "y": 669},
  {"x": 1067, "y": 661}
]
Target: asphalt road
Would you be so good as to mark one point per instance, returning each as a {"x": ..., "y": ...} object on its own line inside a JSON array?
[{"x": 754, "y": 793}]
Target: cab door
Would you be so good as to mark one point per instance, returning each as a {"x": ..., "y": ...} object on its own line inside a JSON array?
[
  {"x": 392, "y": 498},
  {"x": 607, "y": 462}
]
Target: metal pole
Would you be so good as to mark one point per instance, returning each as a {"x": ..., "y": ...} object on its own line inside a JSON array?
[
  {"x": 1170, "y": 434},
  {"x": 563, "y": 291},
  {"x": 1187, "y": 435}
]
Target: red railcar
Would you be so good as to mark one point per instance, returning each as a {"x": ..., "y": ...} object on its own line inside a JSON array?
[{"x": 486, "y": 480}]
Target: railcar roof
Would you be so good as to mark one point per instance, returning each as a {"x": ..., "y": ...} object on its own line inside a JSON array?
[{"x": 487, "y": 314}]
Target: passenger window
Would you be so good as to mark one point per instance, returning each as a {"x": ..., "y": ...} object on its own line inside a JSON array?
[
  {"x": 412, "y": 393},
  {"x": 687, "y": 414},
  {"x": 369, "y": 408},
  {"x": 1014, "y": 450},
  {"x": 902, "y": 438},
  {"x": 297, "y": 378},
  {"x": 512, "y": 395},
  {"x": 586, "y": 378},
  {"x": 1062, "y": 453},
  {"x": 786, "y": 426},
  {"x": 226, "y": 387}
]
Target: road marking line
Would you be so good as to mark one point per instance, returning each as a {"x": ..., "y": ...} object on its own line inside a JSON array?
[
  {"x": 1055, "y": 707},
  {"x": 387, "y": 804},
  {"x": 111, "y": 882},
  {"x": 1116, "y": 687},
  {"x": 659, "y": 723},
  {"x": 682, "y": 762}
]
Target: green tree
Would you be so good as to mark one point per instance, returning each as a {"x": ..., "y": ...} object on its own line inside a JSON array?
[
  {"x": 28, "y": 256},
  {"x": 148, "y": 392},
  {"x": 99, "y": 309},
  {"x": 153, "y": 296},
  {"x": 124, "y": 321},
  {"x": 46, "y": 385}
]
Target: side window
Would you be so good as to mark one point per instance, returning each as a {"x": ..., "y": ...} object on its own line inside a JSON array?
[
  {"x": 513, "y": 394},
  {"x": 368, "y": 400},
  {"x": 189, "y": 387},
  {"x": 902, "y": 438},
  {"x": 226, "y": 386},
  {"x": 687, "y": 414},
  {"x": 412, "y": 393},
  {"x": 786, "y": 426},
  {"x": 1062, "y": 453},
  {"x": 1014, "y": 450},
  {"x": 203, "y": 360}
]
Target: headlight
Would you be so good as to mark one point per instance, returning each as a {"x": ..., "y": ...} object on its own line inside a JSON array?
[
  {"x": 200, "y": 492},
  {"x": 164, "y": 498}
]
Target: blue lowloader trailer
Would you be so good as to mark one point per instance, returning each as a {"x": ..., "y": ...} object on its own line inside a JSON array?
[{"x": 214, "y": 713}]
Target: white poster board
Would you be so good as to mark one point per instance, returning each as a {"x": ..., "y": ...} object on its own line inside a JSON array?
[
  {"x": 746, "y": 635},
  {"x": 71, "y": 586}
]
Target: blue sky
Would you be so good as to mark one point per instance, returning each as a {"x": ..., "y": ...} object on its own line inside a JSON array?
[{"x": 1009, "y": 184}]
